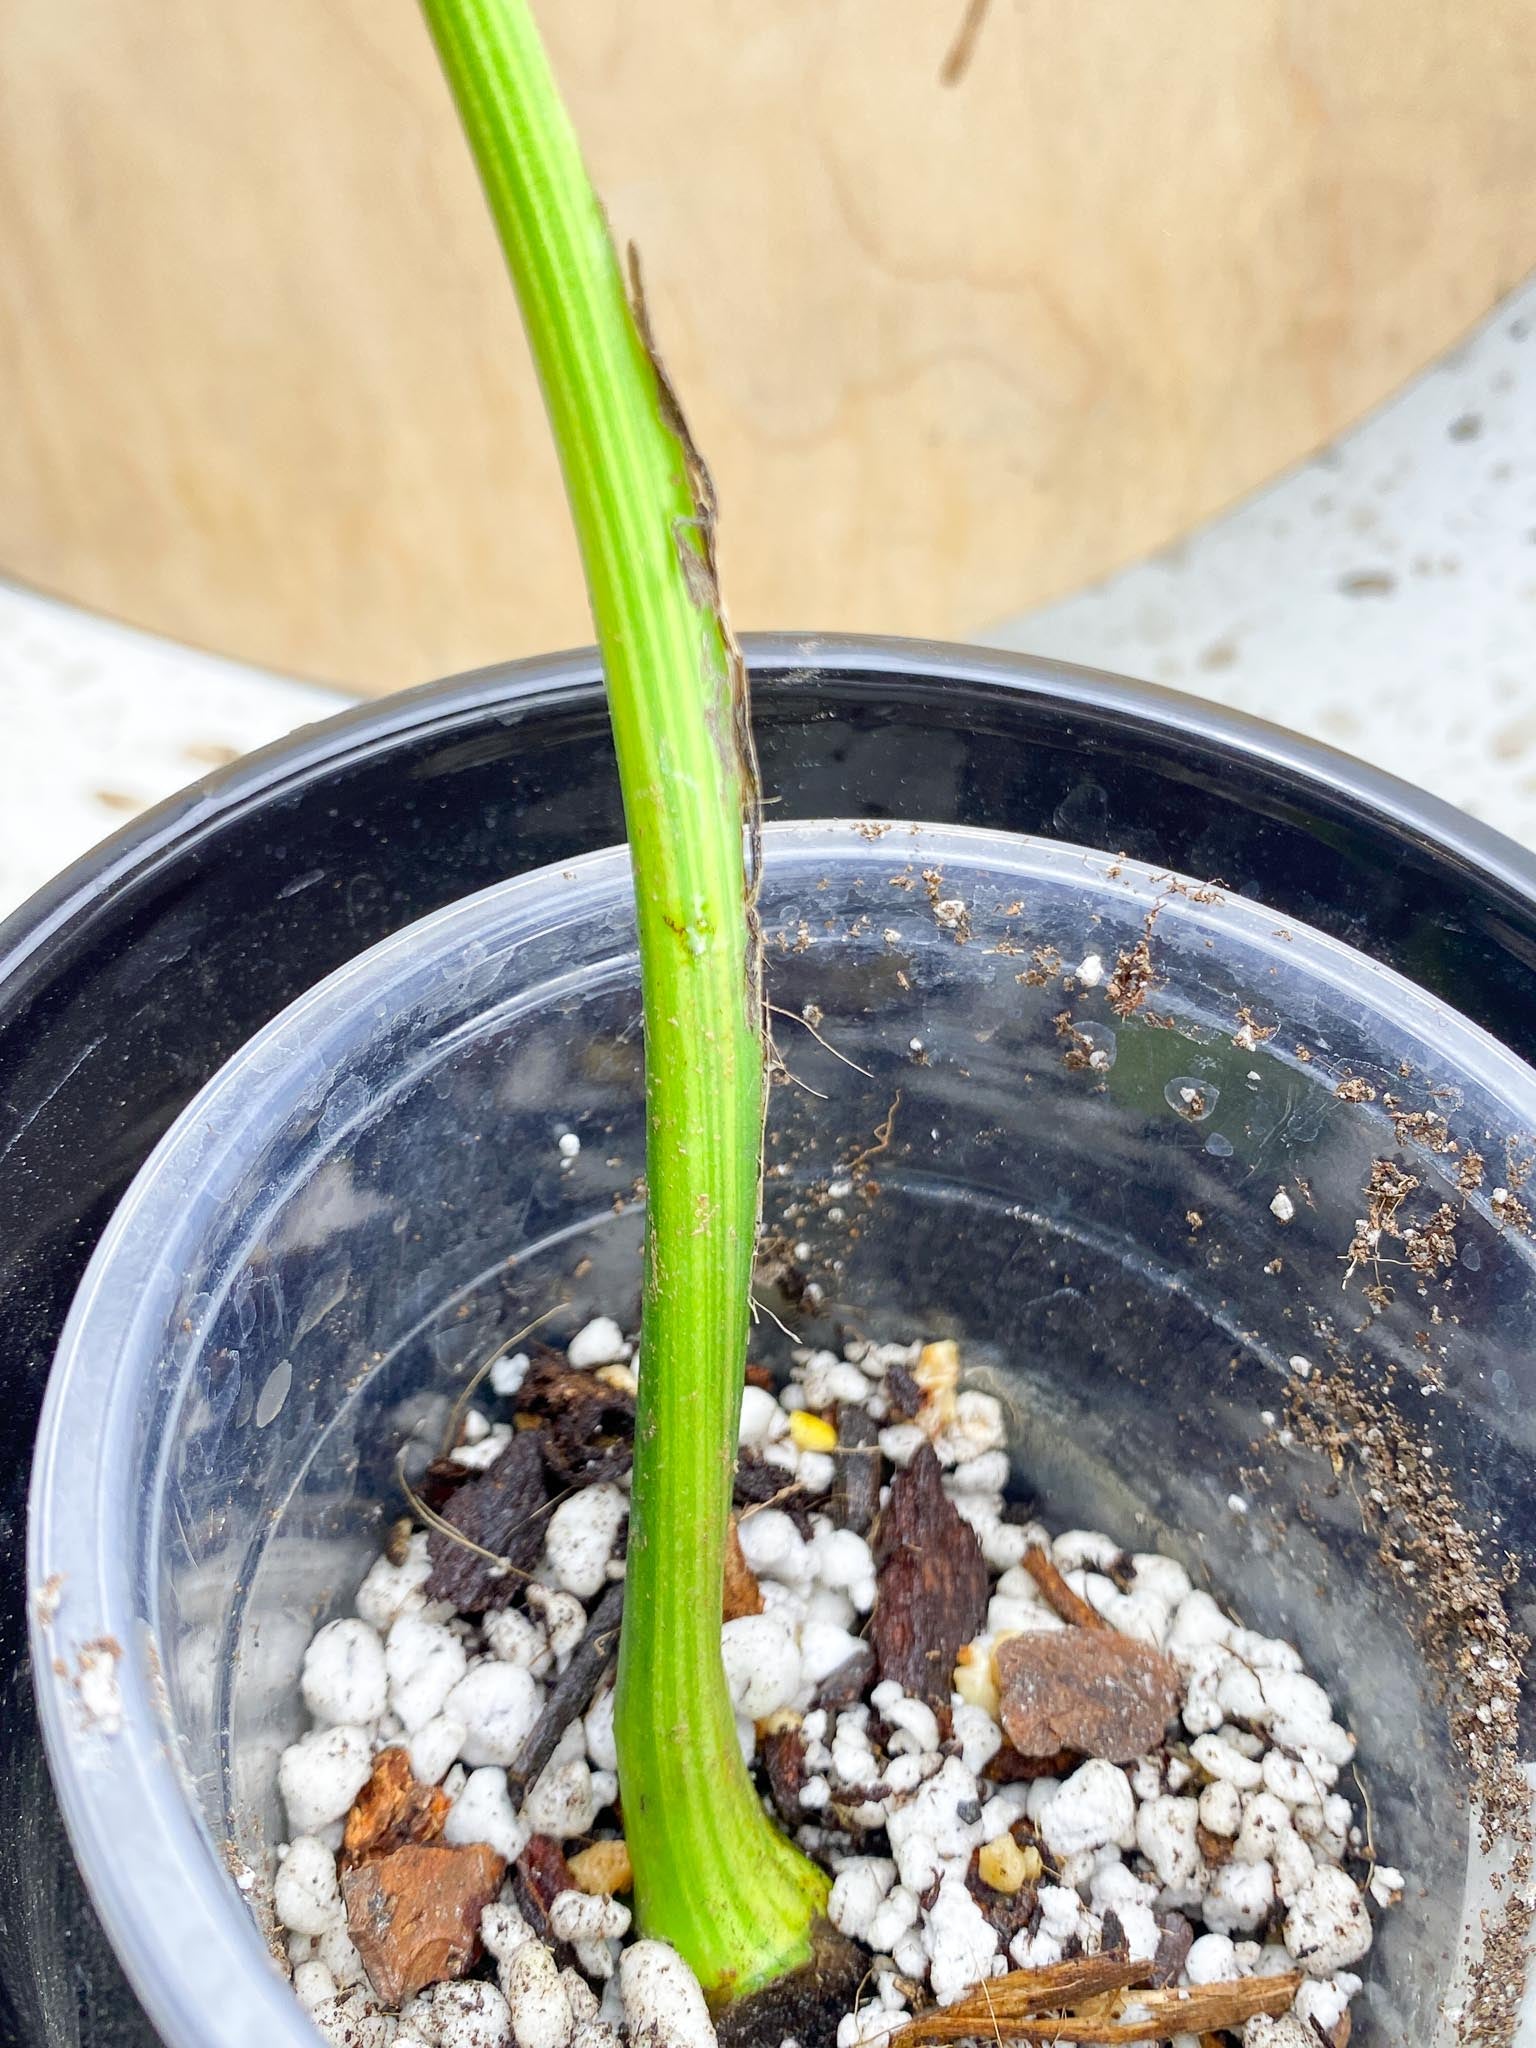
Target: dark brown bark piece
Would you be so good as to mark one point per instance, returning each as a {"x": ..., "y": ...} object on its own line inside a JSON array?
[
  {"x": 587, "y": 1424},
  {"x": 415, "y": 1913},
  {"x": 1007, "y": 1767},
  {"x": 501, "y": 1512},
  {"x": 572, "y": 1692},
  {"x": 762, "y": 1376},
  {"x": 847, "y": 1685},
  {"x": 759, "y": 1484},
  {"x": 539, "y": 1875},
  {"x": 855, "y": 1499},
  {"x": 903, "y": 1393},
  {"x": 1090, "y": 1690},
  {"x": 1175, "y": 1940},
  {"x": 784, "y": 1761},
  {"x": 932, "y": 1584},
  {"x": 1009, "y": 1912},
  {"x": 393, "y": 1809}
]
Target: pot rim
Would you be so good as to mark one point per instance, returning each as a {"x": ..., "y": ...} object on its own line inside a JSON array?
[
  {"x": 112, "y": 1780},
  {"x": 372, "y": 726}
]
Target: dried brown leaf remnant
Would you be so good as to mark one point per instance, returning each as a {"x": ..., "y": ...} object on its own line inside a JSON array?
[
  {"x": 743, "y": 1595},
  {"x": 415, "y": 1914},
  {"x": 1090, "y": 1690},
  {"x": 392, "y": 1810},
  {"x": 932, "y": 1584}
]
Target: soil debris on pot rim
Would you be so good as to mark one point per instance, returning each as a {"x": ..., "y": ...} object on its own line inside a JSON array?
[{"x": 1179, "y": 1848}]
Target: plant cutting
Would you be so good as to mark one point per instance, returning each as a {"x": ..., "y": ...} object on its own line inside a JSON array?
[
  {"x": 1064, "y": 1792},
  {"x": 740, "y": 1907},
  {"x": 732, "y": 1897},
  {"x": 712, "y": 1875}
]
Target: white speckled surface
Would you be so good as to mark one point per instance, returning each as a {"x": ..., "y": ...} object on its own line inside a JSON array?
[
  {"x": 1382, "y": 597},
  {"x": 101, "y": 721}
]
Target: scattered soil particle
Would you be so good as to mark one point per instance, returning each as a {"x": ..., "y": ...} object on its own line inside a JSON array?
[
  {"x": 1469, "y": 1175},
  {"x": 1090, "y": 1690},
  {"x": 1419, "y": 1126},
  {"x": 393, "y": 1810},
  {"x": 1132, "y": 981},
  {"x": 1456, "y": 1597},
  {"x": 932, "y": 1584},
  {"x": 1510, "y": 1209},
  {"x": 1354, "y": 1088},
  {"x": 855, "y": 1498},
  {"x": 1430, "y": 1246},
  {"x": 1250, "y": 1033},
  {"x": 1047, "y": 965},
  {"x": 1385, "y": 1191},
  {"x": 1080, "y": 1047},
  {"x": 502, "y": 1513},
  {"x": 415, "y": 1914}
]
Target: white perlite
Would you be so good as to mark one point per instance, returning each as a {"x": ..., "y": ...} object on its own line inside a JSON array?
[
  {"x": 1237, "y": 1821},
  {"x": 663, "y": 2004}
]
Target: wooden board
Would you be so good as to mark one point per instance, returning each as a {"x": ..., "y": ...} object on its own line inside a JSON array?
[{"x": 949, "y": 349}]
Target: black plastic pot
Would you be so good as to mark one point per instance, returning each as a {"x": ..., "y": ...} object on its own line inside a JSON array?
[{"x": 128, "y": 982}]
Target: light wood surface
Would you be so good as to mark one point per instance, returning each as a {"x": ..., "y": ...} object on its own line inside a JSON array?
[{"x": 949, "y": 349}]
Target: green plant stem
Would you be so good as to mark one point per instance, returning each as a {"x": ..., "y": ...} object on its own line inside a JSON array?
[{"x": 712, "y": 1875}]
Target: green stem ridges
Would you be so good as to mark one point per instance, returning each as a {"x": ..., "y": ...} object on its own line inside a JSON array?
[{"x": 712, "y": 1874}]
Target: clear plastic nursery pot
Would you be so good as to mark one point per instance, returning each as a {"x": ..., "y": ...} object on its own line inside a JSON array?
[{"x": 1131, "y": 1197}]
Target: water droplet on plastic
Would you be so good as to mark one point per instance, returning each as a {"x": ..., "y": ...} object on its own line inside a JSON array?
[
  {"x": 1218, "y": 1146},
  {"x": 1191, "y": 1097},
  {"x": 274, "y": 1393}
]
